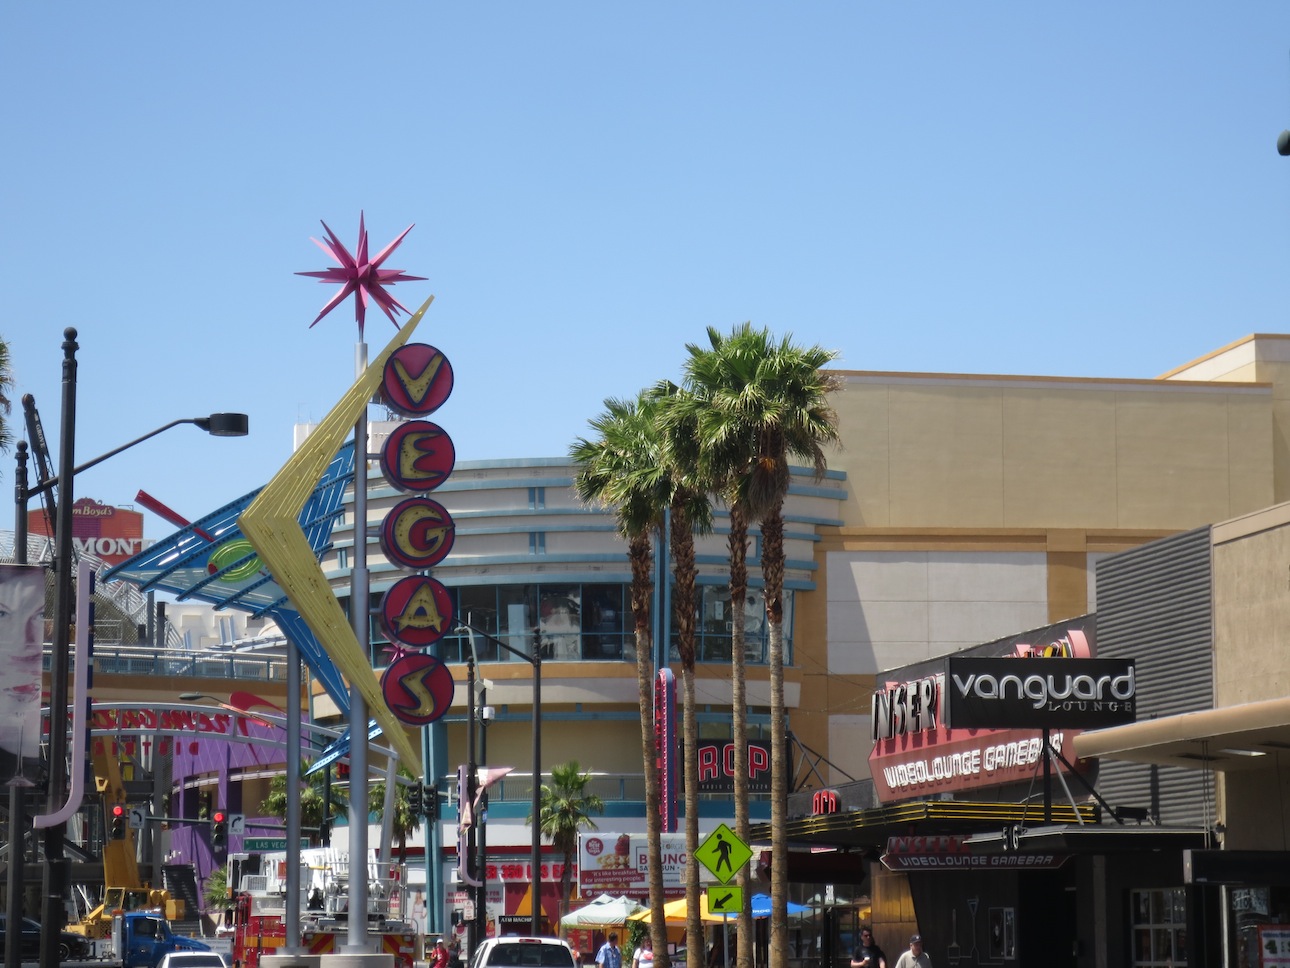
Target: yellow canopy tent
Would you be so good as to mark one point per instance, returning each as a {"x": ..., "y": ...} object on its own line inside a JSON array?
[{"x": 674, "y": 912}]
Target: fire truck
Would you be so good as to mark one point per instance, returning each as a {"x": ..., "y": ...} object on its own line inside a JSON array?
[{"x": 259, "y": 907}]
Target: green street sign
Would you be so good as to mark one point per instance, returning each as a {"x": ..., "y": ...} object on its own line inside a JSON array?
[
  {"x": 723, "y": 853},
  {"x": 265, "y": 844},
  {"x": 725, "y": 900}
]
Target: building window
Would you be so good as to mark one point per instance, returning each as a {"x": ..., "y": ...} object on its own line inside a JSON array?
[
  {"x": 537, "y": 542},
  {"x": 1159, "y": 919},
  {"x": 537, "y": 498}
]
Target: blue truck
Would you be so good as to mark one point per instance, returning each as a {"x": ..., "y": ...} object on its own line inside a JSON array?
[{"x": 140, "y": 939}]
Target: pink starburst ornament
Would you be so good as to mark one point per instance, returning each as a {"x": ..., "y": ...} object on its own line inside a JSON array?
[{"x": 361, "y": 276}]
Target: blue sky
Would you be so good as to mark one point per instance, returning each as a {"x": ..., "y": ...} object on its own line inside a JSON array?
[{"x": 1064, "y": 189}]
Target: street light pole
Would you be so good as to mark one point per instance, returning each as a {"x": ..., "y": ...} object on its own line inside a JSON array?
[
  {"x": 534, "y": 658},
  {"x": 55, "y": 886}
]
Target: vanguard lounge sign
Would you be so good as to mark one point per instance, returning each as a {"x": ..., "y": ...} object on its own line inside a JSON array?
[{"x": 1009, "y": 693}]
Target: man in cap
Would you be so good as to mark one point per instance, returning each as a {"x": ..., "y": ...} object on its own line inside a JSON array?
[{"x": 915, "y": 957}]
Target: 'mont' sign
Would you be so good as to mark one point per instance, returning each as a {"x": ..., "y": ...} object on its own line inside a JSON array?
[{"x": 1015, "y": 693}]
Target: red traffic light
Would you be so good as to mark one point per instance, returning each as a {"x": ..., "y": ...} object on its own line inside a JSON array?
[
  {"x": 219, "y": 816},
  {"x": 118, "y": 810}
]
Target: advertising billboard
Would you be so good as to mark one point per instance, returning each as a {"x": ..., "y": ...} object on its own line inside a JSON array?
[
  {"x": 1038, "y": 693},
  {"x": 109, "y": 533},
  {"x": 617, "y": 863},
  {"x": 22, "y": 634},
  {"x": 918, "y": 752}
]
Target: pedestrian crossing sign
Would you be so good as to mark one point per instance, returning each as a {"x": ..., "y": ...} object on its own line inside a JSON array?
[{"x": 723, "y": 853}]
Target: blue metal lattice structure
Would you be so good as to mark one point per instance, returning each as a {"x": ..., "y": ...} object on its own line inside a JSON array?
[{"x": 211, "y": 561}]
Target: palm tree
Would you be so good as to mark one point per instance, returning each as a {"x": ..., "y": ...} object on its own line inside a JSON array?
[
  {"x": 774, "y": 399},
  {"x": 565, "y": 809},
  {"x": 404, "y": 822},
  {"x": 613, "y": 471},
  {"x": 678, "y": 473},
  {"x": 311, "y": 800},
  {"x": 712, "y": 377}
]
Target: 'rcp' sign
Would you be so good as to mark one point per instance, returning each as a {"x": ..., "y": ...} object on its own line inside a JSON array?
[{"x": 1038, "y": 693}]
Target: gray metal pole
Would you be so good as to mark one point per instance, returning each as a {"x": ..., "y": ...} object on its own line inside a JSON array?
[
  {"x": 481, "y": 817},
  {"x": 15, "y": 882},
  {"x": 53, "y": 916},
  {"x": 535, "y": 855},
  {"x": 293, "y": 801},
  {"x": 472, "y": 785},
  {"x": 360, "y": 587}
]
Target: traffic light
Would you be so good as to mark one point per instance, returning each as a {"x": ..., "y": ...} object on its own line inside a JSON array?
[
  {"x": 430, "y": 794},
  {"x": 117, "y": 826},
  {"x": 416, "y": 800},
  {"x": 219, "y": 830}
]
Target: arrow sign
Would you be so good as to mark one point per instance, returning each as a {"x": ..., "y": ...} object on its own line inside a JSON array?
[
  {"x": 137, "y": 818},
  {"x": 725, "y": 900}
]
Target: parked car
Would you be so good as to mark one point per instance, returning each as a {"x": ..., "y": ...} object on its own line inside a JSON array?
[
  {"x": 193, "y": 959},
  {"x": 518, "y": 952},
  {"x": 71, "y": 947}
]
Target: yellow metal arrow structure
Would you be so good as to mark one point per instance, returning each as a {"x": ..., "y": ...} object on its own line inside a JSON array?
[{"x": 272, "y": 525}]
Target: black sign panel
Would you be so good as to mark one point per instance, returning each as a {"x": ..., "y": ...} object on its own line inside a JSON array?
[{"x": 1038, "y": 693}]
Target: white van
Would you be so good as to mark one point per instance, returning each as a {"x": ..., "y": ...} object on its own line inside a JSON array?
[{"x": 516, "y": 952}]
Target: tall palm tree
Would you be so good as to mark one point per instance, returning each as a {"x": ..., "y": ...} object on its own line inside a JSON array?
[
  {"x": 311, "y": 799},
  {"x": 565, "y": 809},
  {"x": 726, "y": 459},
  {"x": 613, "y": 471},
  {"x": 404, "y": 822},
  {"x": 679, "y": 475},
  {"x": 775, "y": 397}
]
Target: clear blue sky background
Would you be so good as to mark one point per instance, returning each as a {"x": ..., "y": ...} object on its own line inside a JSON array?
[{"x": 1015, "y": 187}]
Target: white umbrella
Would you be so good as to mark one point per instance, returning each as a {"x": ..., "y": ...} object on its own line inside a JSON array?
[{"x": 604, "y": 911}]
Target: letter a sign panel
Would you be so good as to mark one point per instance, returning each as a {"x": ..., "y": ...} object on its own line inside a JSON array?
[{"x": 723, "y": 853}]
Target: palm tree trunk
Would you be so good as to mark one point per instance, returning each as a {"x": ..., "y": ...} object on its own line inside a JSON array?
[
  {"x": 738, "y": 544},
  {"x": 772, "y": 563},
  {"x": 694, "y": 952},
  {"x": 641, "y": 559},
  {"x": 684, "y": 601}
]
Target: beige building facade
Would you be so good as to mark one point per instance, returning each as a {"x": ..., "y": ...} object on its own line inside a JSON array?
[{"x": 978, "y": 507}]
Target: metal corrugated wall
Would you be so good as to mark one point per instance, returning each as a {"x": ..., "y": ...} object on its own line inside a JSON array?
[{"x": 1155, "y": 605}]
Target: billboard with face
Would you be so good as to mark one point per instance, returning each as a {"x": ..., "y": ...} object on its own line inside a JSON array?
[{"x": 22, "y": 633}]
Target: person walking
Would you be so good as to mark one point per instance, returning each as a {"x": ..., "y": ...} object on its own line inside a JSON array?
[
  {"x": 610, "y": 955},
  {"x": 915, "y": 957},
  {"x": 868, "y": 955},
  {"x": 439, "y": 957},
  {"x": 643, "y": 957}
]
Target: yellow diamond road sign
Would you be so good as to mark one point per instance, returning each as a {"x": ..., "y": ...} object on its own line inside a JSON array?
[
  {"x": 723, "y": 853},
  {"x": 725, "y": 900}
]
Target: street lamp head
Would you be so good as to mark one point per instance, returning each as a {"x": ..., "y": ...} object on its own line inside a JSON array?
[
  {"x": 194, "y": 696},
  {"x": 1283, "y": 143},
  {"x": 224, "y": 424}
]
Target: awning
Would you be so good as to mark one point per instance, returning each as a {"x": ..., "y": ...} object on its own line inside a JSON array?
[
  {"x": 1231, "y": 738},
  {"x": 1089, "y": 838},
  {"x": 872, "y": 827}
]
